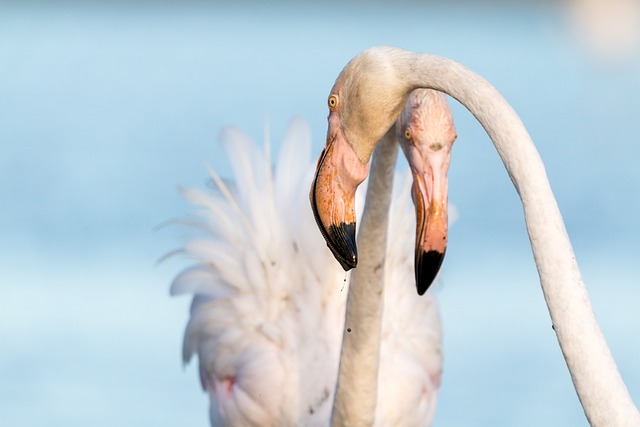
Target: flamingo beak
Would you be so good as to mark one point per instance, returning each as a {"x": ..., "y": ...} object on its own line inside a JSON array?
[
  {"x": 338, "y": 174},
  {"x": 430, "y": 200}
]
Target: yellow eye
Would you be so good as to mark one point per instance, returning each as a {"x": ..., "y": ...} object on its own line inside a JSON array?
[
  {"x": 407, "y": 134},
  {"x": 333, "y": 102}
]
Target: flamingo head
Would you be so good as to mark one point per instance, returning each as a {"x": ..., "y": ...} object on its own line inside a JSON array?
[
  {"x": 363, "y": 104},
  {"x": 426, "y": 133}
]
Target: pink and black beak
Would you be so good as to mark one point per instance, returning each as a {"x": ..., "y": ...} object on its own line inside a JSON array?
[
  {"x": 429, "y": 194},
  {"x": 338, "y": 174}
]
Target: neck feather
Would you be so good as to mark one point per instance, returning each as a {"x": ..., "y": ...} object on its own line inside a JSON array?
[{"x": 356, "y": 393}]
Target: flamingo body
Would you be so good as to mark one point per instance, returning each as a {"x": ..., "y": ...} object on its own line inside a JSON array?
[{"x": 269, "y": 299}]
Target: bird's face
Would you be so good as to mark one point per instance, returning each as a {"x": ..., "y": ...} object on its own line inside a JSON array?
[
  {"x": 426, "y": 133},
  {"x": 363, "y": 104},
  {"x": 338, "y": 174}
]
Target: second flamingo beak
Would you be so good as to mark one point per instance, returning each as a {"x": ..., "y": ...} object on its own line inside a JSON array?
[{"x": 429, "y": 194}]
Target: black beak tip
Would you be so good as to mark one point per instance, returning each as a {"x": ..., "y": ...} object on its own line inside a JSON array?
[
  {"x": 341, "y": 239},
  {"x": 342, "y": 242},
  {"x": 427, "y": 266}
]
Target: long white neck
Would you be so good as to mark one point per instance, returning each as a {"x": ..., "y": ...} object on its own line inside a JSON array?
[
  {"x": 602, "y": 392},
  {"x": 356, "y": 393}
]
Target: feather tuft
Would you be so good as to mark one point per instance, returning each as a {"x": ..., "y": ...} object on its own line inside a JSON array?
[{"x": 269, "y": 299}]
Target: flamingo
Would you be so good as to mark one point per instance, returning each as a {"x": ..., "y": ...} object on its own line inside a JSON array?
[
  {"x": 364, "y": 102},
  {"x": 268, "y": 310}
]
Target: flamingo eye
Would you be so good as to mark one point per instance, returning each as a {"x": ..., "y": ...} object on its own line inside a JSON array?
[
  {"x": 407, "y": 134},
  {"x": 333, "y": 102}
]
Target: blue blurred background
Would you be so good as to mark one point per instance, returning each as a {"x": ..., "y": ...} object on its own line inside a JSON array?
[{"x": 106, "y": 107}]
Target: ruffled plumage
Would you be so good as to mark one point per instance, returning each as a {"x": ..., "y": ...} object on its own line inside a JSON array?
[{"x": 269, "y": 298}]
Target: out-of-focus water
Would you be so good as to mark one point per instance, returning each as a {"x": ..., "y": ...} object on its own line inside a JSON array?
[{"x": 105, "y": 109}]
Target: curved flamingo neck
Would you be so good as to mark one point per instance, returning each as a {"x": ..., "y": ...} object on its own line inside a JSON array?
[
  {"x": 356, "y": 393},
  {"x": 599, "y": 386}
]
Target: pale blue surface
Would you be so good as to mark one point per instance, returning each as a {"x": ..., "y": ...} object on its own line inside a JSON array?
[{"x": 105, "y": 109}]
